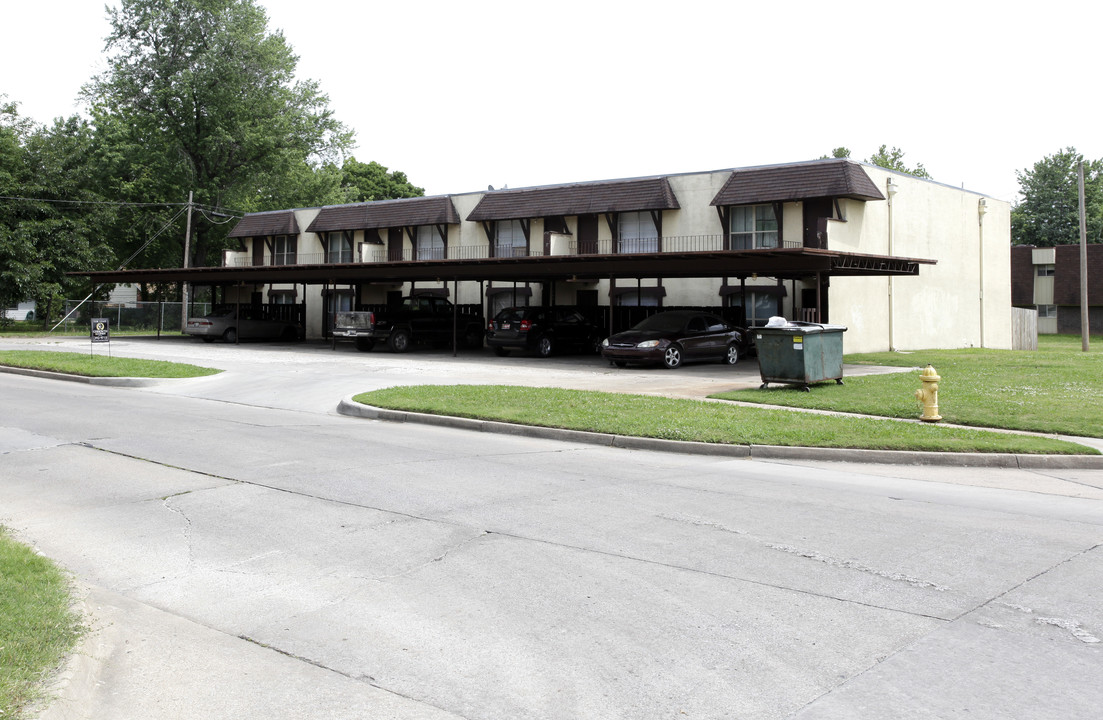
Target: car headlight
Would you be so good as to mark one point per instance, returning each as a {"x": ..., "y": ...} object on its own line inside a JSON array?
[
  {"x": 648, "y": 344},
  {"x": 605, "y": 342}
]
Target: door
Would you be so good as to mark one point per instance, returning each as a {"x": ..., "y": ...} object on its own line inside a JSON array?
[
  {"x": 587, "y": 234},
  {"x": 394, "y": 244},
  {"x": 816, "y": 214}
]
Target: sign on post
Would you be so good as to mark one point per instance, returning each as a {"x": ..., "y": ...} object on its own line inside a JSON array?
[{"x": 101, "y": 331}]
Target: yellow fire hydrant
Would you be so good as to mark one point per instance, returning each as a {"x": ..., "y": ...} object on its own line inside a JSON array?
[{"x": 927, "y": 395}]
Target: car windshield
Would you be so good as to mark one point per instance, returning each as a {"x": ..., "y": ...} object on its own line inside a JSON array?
[
  {"x": 511, "y": 315},
  {"x": 663, "y": 322}
]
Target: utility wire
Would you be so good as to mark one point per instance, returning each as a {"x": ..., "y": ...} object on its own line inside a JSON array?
[
  {"x": 213, "y": 208},
  {"x": 125, "y": 262}
]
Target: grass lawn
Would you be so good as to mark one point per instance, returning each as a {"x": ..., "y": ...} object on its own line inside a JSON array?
[
  {"x": 100, "y": 365},
  {"x": 37, "y": 626},
  {"x": 35, "y": 330},
  {"x": 1055, "y": 389},
  {"x": 697, "y": 420}
]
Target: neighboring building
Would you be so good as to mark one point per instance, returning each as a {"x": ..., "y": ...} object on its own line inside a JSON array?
[
  {"x": 1048, "y": 280},
  {"x": 22, "y": 311},
  {"x": 905, "y": 263}
]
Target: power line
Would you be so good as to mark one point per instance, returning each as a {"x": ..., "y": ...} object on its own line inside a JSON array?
[{"x": 216, "y": 210}]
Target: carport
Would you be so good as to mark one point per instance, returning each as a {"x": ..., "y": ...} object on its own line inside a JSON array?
[{"x": 792, "y": 264}]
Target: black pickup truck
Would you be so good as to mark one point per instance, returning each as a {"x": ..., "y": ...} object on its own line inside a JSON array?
[{"x": 421, "y": 319}]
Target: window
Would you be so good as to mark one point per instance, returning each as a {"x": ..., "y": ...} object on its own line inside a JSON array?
[
  {"x": 283, "y": 250},
  {"x": 647, "y": 297},
  {"x": 1043, "y": 270},
  {"x": 636, "y": 233},
  {"x": 340, "y": 301},
  {"x": 282, "y": 297},
  {"x": 501, "y": 301},
  {"x": 338, "y": 247},
  {"x": 761, "y": 307},
  {"x": 510, "y": 240},
  {"x": 428, "y": 243},
  {"x": 753, "y": 226},
  {"x": 1047, "y": 311}
]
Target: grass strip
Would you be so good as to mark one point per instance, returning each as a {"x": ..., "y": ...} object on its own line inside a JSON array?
[
  {"x": 698, "y": 420},
  {"x": 37, "y": 626},
  {"x": 1055, "y": 389},
  {"x": 100, "y": 365}
]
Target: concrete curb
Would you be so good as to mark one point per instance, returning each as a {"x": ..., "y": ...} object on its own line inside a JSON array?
[
  {"x": 109, "y": 381},
  {"x": 349, "y": 407}
]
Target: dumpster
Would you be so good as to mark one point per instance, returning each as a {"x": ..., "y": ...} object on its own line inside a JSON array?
[{"x": 800, "y": 353}]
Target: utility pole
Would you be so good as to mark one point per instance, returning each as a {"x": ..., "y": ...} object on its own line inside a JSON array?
[
  {"x": 1085, "y": 325},
  {"x": 184, "y": 283}
]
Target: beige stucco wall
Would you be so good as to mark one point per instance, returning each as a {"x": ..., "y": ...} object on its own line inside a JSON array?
[{"x": 945, "y": 305}]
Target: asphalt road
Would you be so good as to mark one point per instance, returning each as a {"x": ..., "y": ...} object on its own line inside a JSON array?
[{"x": 245, "y": 552}]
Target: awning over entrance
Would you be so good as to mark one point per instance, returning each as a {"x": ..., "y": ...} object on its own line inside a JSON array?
[
  {"x": 386, "y": 214},
  {"x": 797, "y": 182},
  {"x": 266, "y": 224},
  {"x": 578, "y": 199}
]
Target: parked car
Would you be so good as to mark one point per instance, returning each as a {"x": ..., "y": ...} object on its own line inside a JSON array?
[
  {"x": 417, "y": 319},
  {"x": 543, "y": 330},
  {"x": 223, "y": 323},
  {"x": 677, "y": 336}
]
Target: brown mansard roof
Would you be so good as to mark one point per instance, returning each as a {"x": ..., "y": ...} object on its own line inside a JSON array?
[
  {"x": 802, "y": 181},
  {"x": 278, "y": 222},
  {"x": 577, "y": 199},
  {"x": 387, "y": 214}
]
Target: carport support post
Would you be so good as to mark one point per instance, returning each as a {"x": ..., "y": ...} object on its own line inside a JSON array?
[
  {"x": 819, "y": 297},
  {"x": 455, "y": 316}
]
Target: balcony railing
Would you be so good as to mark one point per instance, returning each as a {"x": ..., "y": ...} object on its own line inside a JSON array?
[{"x": 623, "y": 246}]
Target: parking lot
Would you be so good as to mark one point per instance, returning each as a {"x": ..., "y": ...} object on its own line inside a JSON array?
[{"x": 311, "y": 375}]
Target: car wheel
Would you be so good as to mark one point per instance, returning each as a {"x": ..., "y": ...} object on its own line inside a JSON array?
[
  {"x": 672, "y": 358},
  {"x": 365, "y": 344},
  {"x": 230, "y": 335},
  {"x": 544, "y": 346},
  {"x": 732, "y": 356},
  {"x": 501, "y": 351},
  {"x": 400, "y": 341}
]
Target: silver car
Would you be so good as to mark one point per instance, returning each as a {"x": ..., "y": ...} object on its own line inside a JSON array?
[{"x": 223, "y": 322}]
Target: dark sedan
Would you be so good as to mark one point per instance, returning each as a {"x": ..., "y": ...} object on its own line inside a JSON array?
[
  {"x": 674, "y": 337},
  {"x": 544, "y": 330}
]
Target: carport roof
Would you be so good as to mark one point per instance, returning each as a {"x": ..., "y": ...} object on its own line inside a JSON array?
[{"x": 788, "y": 263}]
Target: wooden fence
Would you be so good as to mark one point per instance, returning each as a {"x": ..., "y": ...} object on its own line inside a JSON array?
[{"x": 1024, "y": 329}]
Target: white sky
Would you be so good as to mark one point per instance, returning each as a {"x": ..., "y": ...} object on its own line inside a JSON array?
[{"x": 461, "y": 95}]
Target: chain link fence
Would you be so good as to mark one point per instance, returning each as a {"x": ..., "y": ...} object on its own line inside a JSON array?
[{"x": 151, "y": 317}]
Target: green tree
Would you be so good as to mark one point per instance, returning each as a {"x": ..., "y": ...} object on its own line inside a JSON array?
[
  {"x": 51, "y": 216},
  {"x": 894, "y": 160},
  {"x": 839, "y": 152},
  {"x": 370, "y": 181},
  {"x": 1049, "y": 212},
  {"x": 200, "y": 96}
]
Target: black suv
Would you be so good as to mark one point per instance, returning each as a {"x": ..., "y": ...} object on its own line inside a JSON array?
[{"x": 545, "y": 330}]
